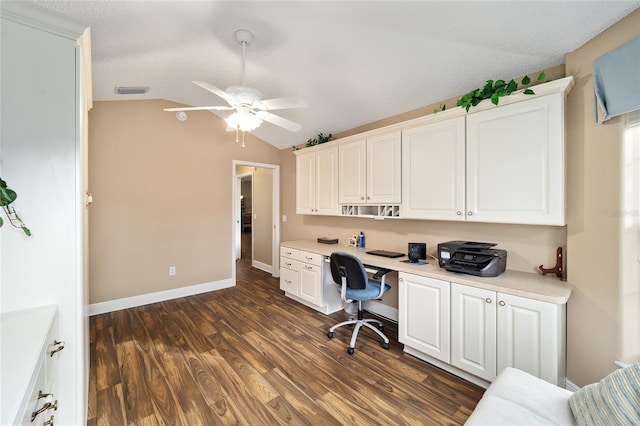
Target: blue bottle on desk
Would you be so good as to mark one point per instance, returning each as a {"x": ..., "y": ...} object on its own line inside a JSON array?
[{"x": 361, "y": 240}]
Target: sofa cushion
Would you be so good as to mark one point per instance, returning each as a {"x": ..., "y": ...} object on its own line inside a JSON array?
[
  {"x": 519, "y": 398},
  {"x": 615, "y": 400}
]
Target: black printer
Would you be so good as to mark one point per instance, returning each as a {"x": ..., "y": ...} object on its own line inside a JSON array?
[{"x": 473, "y": 258}]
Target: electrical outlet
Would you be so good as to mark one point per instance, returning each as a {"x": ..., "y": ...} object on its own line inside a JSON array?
[
  {"x": 172, "y": 271},
  {"x": 284, "y": 217}
]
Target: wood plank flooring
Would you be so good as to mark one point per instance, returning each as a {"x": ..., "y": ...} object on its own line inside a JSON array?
[{"x": 250, "y": 356}]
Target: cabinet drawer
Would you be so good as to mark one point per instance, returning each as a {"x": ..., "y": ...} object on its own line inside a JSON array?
[
  {"x": 289, "y": 281},
  {"x": 290, "y": 264},
  {"x": 312, "y": 258},
  {"x": 289, "y": 252}
]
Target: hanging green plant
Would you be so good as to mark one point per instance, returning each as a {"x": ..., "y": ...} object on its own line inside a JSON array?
[
  {"x": 494, "y": 90},
  {"x": 8, "y": 196}
]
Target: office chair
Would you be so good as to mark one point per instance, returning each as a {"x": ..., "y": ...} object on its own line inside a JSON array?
[{"x": 352, "y": 281}]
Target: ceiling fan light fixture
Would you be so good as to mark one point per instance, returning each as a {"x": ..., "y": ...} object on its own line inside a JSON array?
[{"x": 245, "y": 122}]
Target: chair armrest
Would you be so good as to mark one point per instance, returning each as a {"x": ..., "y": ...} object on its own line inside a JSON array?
[{"x": 380, "y": 273}]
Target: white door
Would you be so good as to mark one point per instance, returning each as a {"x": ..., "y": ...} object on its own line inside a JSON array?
[
  {"x": 433, "y": 171},
  {"x": 515, "y": 163},
  {"x": 423, "y": 322},
  {"x": 473, "y": 330},
  {"x": 352, "y": 168},
  {"x": 384, "y": 164},
  {"x": 528, "y": 337}
]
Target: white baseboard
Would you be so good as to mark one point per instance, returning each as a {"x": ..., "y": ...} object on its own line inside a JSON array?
[
  {"x": 569, "y": 385},
  {"x": 262, "y": 266},
  {"x": 145, "y": 299}
]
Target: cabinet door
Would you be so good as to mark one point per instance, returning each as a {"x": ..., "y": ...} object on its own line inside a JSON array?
[
  {"x": 516, "y": 163},
  {"x": 384, "y": 164},
  {"x": 423, "y": 322},
  {"x": 306, "y": 183},
  {"x": 352, "y": 169},
  {"x": 529, "y": 337},
  {"x": 473, "y": 330},
  {"x": 433, "y": 162},
  {"x": 327, "y": 181},
  {"x": 310, "y": 283}
]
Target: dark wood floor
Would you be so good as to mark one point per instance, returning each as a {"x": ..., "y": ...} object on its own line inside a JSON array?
[{"x": 248, "y": 355}]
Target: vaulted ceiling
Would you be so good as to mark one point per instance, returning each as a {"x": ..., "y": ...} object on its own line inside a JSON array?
[{"x": 354, "y": 62}]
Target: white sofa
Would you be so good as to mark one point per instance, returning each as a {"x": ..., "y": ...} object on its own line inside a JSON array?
[{"x": 518, "y": 398}]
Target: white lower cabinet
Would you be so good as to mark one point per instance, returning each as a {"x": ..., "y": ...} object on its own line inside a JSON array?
[
  {"x": 423, "y": 310},
  {"x": 491, "y": 331},
  {"x": 473, "y": 326},
  {"x": 305, "y": 277}
]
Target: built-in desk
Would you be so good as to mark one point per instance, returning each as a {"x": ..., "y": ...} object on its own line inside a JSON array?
[
  {"x": 471, "y": 326},
  {"x": 530, "y": 285}
]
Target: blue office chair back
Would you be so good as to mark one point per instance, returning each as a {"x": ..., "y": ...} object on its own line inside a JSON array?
[{"x": 348, "y": 266}]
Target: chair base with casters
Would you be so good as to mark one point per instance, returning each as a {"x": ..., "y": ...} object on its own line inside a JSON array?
[
  {"x": 361, "y": 321},
  {"x": 353, "y": 283}
]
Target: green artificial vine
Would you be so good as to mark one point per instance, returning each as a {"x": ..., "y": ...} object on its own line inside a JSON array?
[
  {"x": 494, "y": 90},
  {"x": 8, "y": 196},
  {"x": 320, "y": 139}
]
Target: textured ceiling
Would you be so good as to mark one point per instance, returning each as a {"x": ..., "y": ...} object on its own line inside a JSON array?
[{"x": 353, "y": 62}]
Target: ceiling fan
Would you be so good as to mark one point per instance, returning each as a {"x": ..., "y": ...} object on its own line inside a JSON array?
[{"x": 250, "y": 109}]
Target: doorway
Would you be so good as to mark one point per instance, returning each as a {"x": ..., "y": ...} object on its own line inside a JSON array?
[{"x": 257, "y": 218}]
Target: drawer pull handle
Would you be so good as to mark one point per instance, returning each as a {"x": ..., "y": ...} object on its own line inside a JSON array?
[
  {"x": 48, "y": 422},
  {"x": 58, "y": 347},
  {"x": 45, "y": 407}
]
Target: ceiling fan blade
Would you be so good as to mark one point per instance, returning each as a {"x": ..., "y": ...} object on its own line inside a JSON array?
[
  {"x": 215, "y": 90},
  {"x": 284, "y": 103},
  {"x": 280, "y": 121},
  {"x": 212, "y": 108}
]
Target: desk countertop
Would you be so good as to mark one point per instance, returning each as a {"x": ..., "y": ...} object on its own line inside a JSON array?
[{"x": 526, "y": 284}]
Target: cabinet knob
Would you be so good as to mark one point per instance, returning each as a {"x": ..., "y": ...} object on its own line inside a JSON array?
[
  {"x": 401, "y": 280},
  {"x": 469, "y": 213},
  {"x": 362, "y": 198},
  {"x": 488, "y": 300},
  {"x": 501, "y": 303},
  {"x": 459, "y": 213}
]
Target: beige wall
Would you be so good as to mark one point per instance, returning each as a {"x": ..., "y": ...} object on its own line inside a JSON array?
[
  {"x": 162, "y": 191},
  {"x": 597, "y": 330}
]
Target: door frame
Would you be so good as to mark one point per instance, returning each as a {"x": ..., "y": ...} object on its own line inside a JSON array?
[{"x": 235, "y": 203}]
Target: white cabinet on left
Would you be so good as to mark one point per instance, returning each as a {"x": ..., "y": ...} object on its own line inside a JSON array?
[
  {"x": 304, "y": 279},
  {"x": 30, "y": 352},
  {"x": 317, "y": 182},
  {"x": 46, "y": 94}
]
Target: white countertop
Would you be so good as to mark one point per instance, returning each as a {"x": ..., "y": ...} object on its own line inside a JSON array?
[
  {"x": 525, "y": 284},
  {"x": 23, "y": 335}
]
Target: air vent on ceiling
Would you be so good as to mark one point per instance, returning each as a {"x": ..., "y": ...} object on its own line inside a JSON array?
[{"x": 132, "y": 90}]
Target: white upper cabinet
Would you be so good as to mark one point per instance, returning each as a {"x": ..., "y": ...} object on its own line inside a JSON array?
[
  {"x": 516, "y": 163},
  {"x": 433, "y": 171},
  {"x": 352, "y": 169},
  {"x": 370, "y": 170},
  {"x": 317, "y": 182}
]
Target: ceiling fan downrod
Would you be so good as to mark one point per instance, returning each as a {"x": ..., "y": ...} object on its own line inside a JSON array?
[{"x": 243, "y": 37}]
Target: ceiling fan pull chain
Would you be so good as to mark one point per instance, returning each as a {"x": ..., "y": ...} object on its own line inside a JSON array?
[
  {"x": 243, "y": 138},
  {"x": 237, "y": 140}
]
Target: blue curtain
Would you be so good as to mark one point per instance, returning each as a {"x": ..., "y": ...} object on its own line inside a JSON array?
[{"x": 616, "y": 81}]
